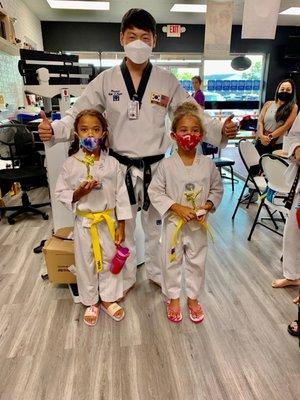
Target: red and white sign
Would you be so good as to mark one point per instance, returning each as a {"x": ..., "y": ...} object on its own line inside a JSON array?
[{"x": 173, "y": 30}]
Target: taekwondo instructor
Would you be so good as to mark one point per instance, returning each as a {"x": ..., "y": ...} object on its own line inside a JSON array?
[{"x": 136, "y": 97}]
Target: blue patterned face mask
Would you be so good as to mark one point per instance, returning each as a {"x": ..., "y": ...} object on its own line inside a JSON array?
[{"x": 91, "y": 143}]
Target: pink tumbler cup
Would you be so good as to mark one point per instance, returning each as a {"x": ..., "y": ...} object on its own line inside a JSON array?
[{"x": 119, "y": 259}]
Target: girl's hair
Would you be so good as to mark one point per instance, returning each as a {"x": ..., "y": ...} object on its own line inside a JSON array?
[
  {"x": 74, "y": 147},
  {"x": 285, "y": 109},
  {"x": 187, "y": 109}
]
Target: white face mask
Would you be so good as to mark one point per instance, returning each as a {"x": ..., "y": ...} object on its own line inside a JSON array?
[{"x": 138, "y": 51}]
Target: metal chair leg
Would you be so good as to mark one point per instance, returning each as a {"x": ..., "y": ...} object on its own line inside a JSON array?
[
  {"x": 270, "y": 214},
  {"x": 250, "y": 197},
  {"x": 239, "y": 200},
  {"x": 232, "y": 181},
  {"x": 255, "y": 221}
]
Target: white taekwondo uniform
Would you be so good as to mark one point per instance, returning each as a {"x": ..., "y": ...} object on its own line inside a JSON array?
[
  {"x": 291, "y": 236},
  {"x": 143, "y": 137},
  {"x": 168, "y": 186},
  {"x": 111, "y": 195}
]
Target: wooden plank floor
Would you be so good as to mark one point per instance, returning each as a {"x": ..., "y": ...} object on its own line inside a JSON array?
[{"x": 242, "y": 351}]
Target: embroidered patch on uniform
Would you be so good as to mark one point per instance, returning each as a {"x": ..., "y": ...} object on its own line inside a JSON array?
[
  {"x": 158, "y": 222},
  {"x": 159, "y": 99},
  {"x": 115, "y": 94}
]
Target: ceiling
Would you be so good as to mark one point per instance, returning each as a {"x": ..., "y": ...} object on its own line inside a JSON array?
[{"x": 160, "y": 9}]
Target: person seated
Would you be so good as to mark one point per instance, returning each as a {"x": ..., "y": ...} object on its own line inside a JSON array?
[{"x": 276, "y": 118}]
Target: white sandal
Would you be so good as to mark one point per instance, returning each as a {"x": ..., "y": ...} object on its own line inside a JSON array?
[{"x": 112, "y": 310}]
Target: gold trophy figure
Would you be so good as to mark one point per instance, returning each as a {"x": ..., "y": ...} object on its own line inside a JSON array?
[{"x": 88, "y": 162}]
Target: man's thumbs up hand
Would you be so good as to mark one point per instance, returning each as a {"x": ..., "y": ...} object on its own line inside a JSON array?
[
  {"x": 230, "y": 128},
  {"x": 44, "y": 128}
]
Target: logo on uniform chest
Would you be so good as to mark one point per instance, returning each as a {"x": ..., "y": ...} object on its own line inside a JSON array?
[{"x": 115, "y": 94}]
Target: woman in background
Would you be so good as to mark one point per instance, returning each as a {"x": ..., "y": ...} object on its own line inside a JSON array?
[
  {"x": 198, "y": 94},
  {"x": 276, "y": 118}
]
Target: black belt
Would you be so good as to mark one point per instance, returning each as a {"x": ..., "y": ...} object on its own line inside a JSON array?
[{"x": 140, "y": 163}]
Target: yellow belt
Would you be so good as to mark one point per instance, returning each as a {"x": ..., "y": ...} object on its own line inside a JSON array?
[
  {"x": 178, "y": 226},
  {"x": 96, "y": 218}
]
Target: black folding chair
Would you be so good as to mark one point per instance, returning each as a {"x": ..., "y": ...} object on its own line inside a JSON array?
[
  {"x": 274, "y": 169},
  {"x": 220, "y": 162},
  {"x": 18, "y": 148},
  {"x": 255, "y": 183}
]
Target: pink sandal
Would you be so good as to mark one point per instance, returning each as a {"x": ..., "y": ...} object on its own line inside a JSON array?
[
  {"x": 193, "y": 311},
  {"x": 92, "y": 311},
  {"x": 170, "y": 311}
]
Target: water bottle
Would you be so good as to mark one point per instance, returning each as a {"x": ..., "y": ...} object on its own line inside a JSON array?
[{"x": 119, "y": 259}]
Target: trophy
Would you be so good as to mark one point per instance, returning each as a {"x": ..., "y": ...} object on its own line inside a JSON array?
[
  {"x": 88, "y": 161},
  {"x": 191, "y": 195}
]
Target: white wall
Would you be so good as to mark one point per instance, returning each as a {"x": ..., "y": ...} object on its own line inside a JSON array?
[{"x": 27, "y": 26}]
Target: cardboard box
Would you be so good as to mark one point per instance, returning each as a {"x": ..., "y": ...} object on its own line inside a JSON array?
[{"x": 59, "y": 255}]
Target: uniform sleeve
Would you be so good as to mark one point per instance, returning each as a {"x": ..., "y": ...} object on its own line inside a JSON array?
[
  {"x": 92, "y": 97},
  {"x": 157, "y": 191},
  {"x": 63, "y": 189},
  {"x": 216, "y": 187},
  {"x": 212, "y": 126},
  {"x": 123, "y": 207}
]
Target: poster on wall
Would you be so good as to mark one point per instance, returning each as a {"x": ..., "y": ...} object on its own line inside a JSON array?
[{"x": 218, "y": 24}]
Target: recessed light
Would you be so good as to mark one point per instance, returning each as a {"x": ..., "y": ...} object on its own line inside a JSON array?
[
  {"x": 79, "y": 5},
  {"x": 198, "y": 8},
  {"x": 291, "y": 11}
]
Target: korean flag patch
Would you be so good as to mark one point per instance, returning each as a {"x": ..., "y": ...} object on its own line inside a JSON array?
[{"x": 159, "y": 99}]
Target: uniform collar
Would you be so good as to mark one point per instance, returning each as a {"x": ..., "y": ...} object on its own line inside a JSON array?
[{"x": 196, "y": 159}]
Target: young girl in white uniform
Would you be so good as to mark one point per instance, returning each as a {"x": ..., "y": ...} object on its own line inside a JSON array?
[
  {"x": 185, "y": 187},
  {"x": 91, "y": 184}
]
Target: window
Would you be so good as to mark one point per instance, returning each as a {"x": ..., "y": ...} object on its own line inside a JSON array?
[{"x": 222, "y": 83}]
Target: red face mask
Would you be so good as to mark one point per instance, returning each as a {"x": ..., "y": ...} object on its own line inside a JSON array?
[{"x": 187, "y": 142}]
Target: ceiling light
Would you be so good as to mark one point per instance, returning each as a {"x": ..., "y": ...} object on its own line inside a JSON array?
[
  {"x": 79, "y": 5},
  {"x": 198, "y": 8},
  {"x": 291, "y": 11}
]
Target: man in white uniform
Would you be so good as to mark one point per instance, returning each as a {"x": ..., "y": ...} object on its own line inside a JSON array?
[
  {"x": 291, "y": 236},
  {"x": 136, "y": 97}
]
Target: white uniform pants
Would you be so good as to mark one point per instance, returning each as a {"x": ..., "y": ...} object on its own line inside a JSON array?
[
  {"x": 191, "y": 250},
  {"x": 151, "y": 223},
  {"x": 291, "y": 244},
  {"x": 92, "y": 285}
]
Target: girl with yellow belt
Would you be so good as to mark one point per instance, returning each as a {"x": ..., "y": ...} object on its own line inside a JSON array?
[{"x": 91, "y": 184}]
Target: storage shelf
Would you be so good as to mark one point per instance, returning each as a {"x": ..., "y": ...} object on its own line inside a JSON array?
[{"x": 8, "y": 47}]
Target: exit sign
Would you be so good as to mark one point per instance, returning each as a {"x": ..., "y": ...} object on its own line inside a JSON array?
[{"x": 173, "y": 30}]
